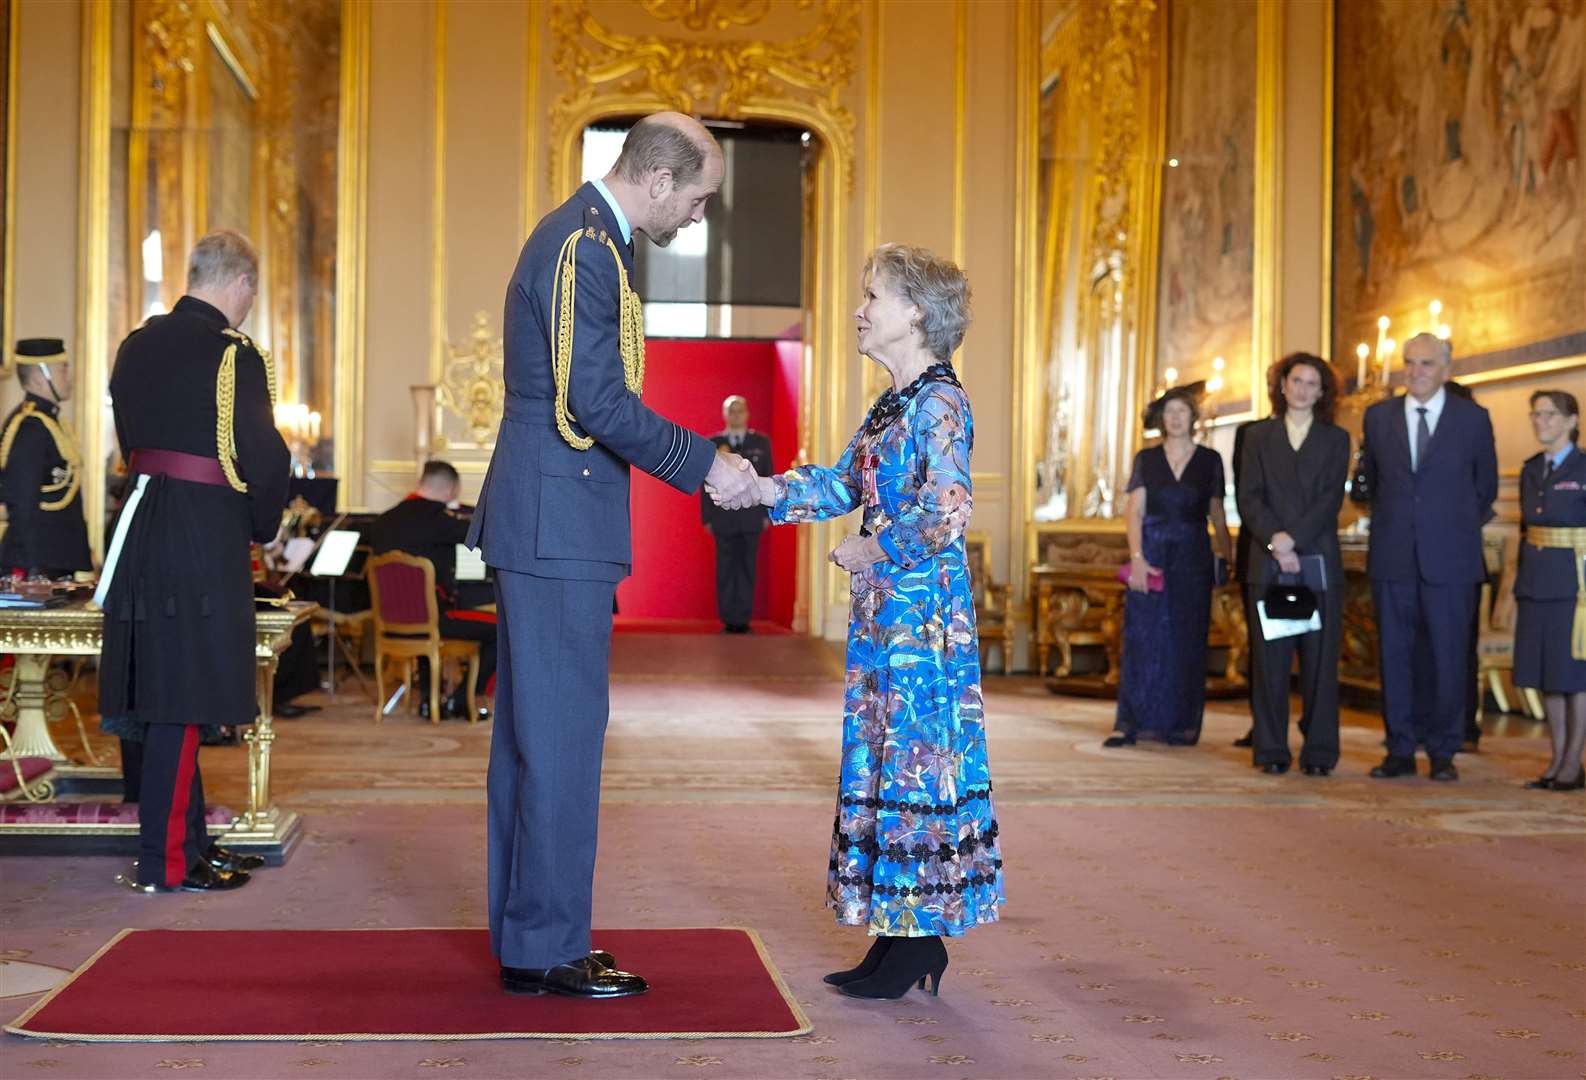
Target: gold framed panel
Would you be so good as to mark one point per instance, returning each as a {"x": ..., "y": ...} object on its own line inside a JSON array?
[{"x": 1449, "y": 184}]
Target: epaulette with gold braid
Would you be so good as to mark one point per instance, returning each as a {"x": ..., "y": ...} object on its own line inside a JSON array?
[
  {"x": 631, "y": 325},
  {"x": 226, "y": 403}
]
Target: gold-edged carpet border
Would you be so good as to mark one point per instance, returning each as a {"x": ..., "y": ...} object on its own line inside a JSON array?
[{"x": 17, "y": 1026}]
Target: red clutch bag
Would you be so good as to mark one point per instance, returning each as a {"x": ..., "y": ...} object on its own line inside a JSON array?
[{"x": 1153, "y": 580}]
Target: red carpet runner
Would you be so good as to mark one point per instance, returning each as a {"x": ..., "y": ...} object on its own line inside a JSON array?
[{"x": 186, "y": 985}]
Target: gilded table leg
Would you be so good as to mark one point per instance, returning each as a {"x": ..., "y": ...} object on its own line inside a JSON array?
[
  {"x": 32, "y": 736},
  {"x": 259, "y": 740}
]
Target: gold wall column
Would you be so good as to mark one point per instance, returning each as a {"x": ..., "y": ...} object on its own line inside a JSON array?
[
  {"x": 93, "y": 263},
  {"x": 1266, "y": 321},
  {"x": 352, "y": 199}
]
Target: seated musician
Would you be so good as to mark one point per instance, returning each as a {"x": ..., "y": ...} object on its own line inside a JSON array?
[{"x": 425, "y": 524}]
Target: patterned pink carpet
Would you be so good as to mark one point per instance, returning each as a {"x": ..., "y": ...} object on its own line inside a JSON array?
[{"x": 1172, "y": 913}]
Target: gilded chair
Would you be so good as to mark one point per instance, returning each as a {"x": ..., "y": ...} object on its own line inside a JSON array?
[
  {"x": 407, "y": 628},
  {"x": 993, "y": 615}
]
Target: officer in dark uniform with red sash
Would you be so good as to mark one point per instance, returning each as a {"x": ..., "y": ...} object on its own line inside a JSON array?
[
  {"x": 193, "y": 404},
  {"x": 40, "y": 471}
]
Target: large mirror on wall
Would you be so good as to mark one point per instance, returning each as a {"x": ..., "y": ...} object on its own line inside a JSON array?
[
  {"x": 224, "y": 116},
  {"x": 1092, "y": 250}
]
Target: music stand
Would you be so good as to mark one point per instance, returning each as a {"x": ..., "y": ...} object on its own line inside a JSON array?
[{"x": 330, "y": 561}]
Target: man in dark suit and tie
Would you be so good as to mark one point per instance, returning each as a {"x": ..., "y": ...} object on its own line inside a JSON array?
[
  {"x": 1432, "y": 472},
  {"x": 552, "y": 519},
  {"x": 737, "y": 532}
]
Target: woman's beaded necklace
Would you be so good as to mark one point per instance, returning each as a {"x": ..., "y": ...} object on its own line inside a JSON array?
[{"x": 890, "y": 405}]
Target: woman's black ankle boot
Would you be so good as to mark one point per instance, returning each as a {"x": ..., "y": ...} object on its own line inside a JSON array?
[
  {"x": 908, "y": 961},
  {"x": 867, "y": 966}
]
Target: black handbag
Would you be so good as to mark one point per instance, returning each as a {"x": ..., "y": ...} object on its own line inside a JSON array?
[{"x": 1289, "y": 601}]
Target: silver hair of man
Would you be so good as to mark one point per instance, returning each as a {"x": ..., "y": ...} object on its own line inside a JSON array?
[
  {"x": 220, "y": 257},
  {"x": 653, "y": 145},
  {"x": 934, "y": 285},
  {"x": 1445, "y": 351}
]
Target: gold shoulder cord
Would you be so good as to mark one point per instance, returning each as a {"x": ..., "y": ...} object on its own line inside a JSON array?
[
  {"x": 63, "y": 446},
  {"x": 631, "y": 338},
  {"x": 226, "y": 404}
]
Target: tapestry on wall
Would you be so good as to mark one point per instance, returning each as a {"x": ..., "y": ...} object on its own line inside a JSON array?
[
  {"x": 1206, "y": 286},
  {"x": 1457, "y": 177}
]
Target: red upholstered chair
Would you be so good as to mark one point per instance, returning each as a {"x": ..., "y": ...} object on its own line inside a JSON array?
[{"x": 407, "y": 627}]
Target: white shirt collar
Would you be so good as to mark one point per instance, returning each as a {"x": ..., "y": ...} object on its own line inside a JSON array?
[
  {"x": 1434, "y": 407},
  {"x": 611, "y": 201}
]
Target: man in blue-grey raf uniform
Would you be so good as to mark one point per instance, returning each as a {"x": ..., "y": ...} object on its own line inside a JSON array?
[{"x": 552, "y": 519}]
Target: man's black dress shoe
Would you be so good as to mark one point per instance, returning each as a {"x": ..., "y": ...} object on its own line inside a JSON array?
[
  {"x": 1118, "y": 739},
  {"x": 231, "y": 861},
  {"x": 1393, "y": 766},
  {"x": 201, "y": 877},
  {"x": 1274, "y": 768},
  {"x": 1443, "y": 770},
  {"x": 1317, "y": 770},
  {"x": 584, "y": 977},
  {"x": 1246, "y": 741},
  {"x": 457, "y": 709},
  {"x": 1541, "y": 783}
]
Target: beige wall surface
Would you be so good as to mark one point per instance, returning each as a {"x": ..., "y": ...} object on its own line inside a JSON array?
[{"x": 49, "y": 58}]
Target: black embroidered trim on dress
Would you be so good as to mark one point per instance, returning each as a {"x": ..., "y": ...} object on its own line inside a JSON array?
[
  {"x": 898, "y": 853},
  {"x": 890, "y": 405},
  {"x": 918, "y": 808},
  {"x": 968, "y": 883}
]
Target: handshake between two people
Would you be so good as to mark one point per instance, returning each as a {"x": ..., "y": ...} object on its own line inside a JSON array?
[{"x": 732, "y": 484}]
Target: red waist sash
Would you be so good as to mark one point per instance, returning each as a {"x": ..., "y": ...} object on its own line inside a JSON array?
[{"x": 178, "y": 466}]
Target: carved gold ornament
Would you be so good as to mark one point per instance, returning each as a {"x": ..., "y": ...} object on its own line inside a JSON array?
[
  {"x": 709, "y": 14},
  {"x": 799, "y": 79},
  {"x": 471, "y": 387}
]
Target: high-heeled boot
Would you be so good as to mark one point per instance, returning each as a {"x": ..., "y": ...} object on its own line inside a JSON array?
[
  {"x": 909, "y": 960},
  {"x": 867, "y": 966}
]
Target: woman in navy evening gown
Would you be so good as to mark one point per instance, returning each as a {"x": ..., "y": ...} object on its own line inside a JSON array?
[{"x": 1172, "y": 490}]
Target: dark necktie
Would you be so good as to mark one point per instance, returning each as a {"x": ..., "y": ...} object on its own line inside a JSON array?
[{"x": 1423, "y": 435}]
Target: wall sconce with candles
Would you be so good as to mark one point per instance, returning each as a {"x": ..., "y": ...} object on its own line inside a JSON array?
[
  {"x": 299, "y": 426},
  {"x": 1373, "y": 365}
]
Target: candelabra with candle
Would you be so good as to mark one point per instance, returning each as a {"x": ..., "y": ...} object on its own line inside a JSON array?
[{"x": 299, "y": 426}]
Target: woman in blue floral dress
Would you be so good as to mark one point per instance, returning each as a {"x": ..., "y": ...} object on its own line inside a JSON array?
[{"x": 914, "y": 848}]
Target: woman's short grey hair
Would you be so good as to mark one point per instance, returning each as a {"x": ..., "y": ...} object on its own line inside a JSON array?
[
  {"x": 651, "y": 145},
  {"x": 935, "y": 286},
  {"x": 219, "y": 258}
]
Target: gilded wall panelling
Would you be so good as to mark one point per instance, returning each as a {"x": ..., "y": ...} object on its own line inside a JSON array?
[
  {"x": 1090, "y": 312},
  {"x": 93, "y": 262},
  {"x": 352, "y": 206}
]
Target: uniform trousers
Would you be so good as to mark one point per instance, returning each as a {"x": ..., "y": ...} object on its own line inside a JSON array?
[
  {"x": 736, "y": 563},
  {"x": 172, "y": 836},
  {"x": 543, "y": 785},
  {"x": 1423, "y": 634}
]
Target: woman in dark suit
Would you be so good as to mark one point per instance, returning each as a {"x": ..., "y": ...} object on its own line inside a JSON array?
[
  {"x": 1550, "y": 631},
  {"x": 1291, "y": 485}
]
